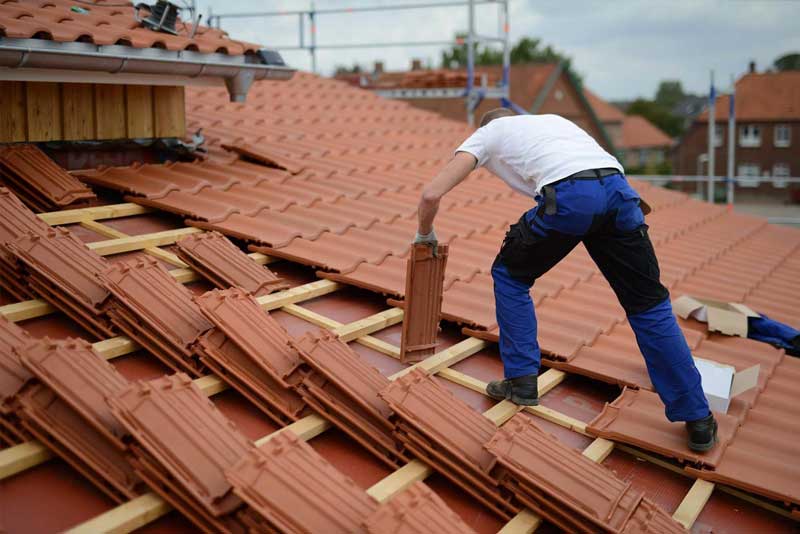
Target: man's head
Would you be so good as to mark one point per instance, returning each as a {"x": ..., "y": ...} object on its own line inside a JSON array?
[{"x": 496, "y": 113}]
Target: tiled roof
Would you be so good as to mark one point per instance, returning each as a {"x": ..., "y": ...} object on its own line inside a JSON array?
[
  {"x": 605, "y": 112},
  {"x": 638, "y": 132},
  {"x": 107, "y": 23},
  {"x": 768, "y": 96},
  {"x": 337, "y": 189}
]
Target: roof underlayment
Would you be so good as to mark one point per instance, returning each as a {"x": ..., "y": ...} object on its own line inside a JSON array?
[{"x": 326, "y": 177}]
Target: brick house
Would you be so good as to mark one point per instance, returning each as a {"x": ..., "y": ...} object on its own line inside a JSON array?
[
  {"x": 767, "y": 132},
  {"x": 537, "y": 87}
]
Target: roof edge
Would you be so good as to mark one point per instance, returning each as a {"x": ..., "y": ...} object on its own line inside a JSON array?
[{"x": 238, "y": 71}]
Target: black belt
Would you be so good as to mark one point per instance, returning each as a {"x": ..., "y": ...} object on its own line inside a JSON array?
[
  {"x": 549, "y": 192},
  {"x": 590, "y": 174}
]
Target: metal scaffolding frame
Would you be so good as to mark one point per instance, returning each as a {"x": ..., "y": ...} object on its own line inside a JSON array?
[{"x": 473, "y": 93}]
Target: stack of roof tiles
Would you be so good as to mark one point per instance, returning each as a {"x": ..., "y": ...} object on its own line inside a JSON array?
[
  {"x": 59, "y": 268},
  {"x": 517, "y": 466},
  {"x": 225, "y": 265},
  {"x": 156, "y": 311},
  {"x": 15, "y": 221},
  {"x": 251, "y": 352},
  {"x": 39, "y": 182},
  {"x": 13, "y": 377},
  {"x": 183, "y": 445},
  {"x": 67, "y": 411},
  {"x": 344, "y": 389}
]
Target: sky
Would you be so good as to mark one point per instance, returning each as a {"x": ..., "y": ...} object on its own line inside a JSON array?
[{"x": 622, "y": 48}]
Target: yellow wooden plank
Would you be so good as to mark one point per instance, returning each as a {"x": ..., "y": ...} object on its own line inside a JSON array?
[
  {"x": 43, "y": 111},
  {"x": 524, "y": 522},
  {"x": 169, "y": 111},
  {"x": 547, "y": 380},
  {"x": 693, "y": 503},
  {"x": 77, "y": 101},
  {"x": 108, "y": 231},
  {"x": 139, "y": 111},
  {"x": 126, "y": 517},
  {"x": 184, "y": 276},
  {"x": 112, "y": 211},
  {"x": 399, "y": 480},
  {"x": 27, "y": 309},
  {"x": 115, "y": 347},
  {"x": 447, "y": 357},
  {"x": 138, "y": 242},
  {"x": 261, "y": 259},
  {"x": 380, "y": 346},
  {"x": 297, "y": 294},
  {"x": 370, "y": 324},
  {"x": 500, "y": 412},
  {"x": 109, "y": 110},
  {"x": 599, "y": 449},
  {"x": 21, "y": 457},
  {"x": 211, "y": 384},
  {"x": 13, "y": 112}
]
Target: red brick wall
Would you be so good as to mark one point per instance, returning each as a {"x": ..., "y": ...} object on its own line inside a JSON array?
[{"x": 695, "y": 142}]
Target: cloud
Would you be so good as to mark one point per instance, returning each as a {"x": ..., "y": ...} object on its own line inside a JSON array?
[{"x": 622, "y": 48}]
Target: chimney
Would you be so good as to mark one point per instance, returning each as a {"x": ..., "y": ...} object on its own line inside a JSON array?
[
  {"x": 378, "y": 67},
  {"x": 752, "y": 68},
  {"x": 416, "y": 64}
]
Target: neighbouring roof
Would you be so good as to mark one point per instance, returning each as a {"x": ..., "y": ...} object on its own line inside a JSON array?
[
  {"x": 325, "y": 175},
  {"x": 768, "y": 96},
  {"x": 605, "y": 111},
  {"x": 638, "y": 132},
  {"x": 107, "y": 23}
]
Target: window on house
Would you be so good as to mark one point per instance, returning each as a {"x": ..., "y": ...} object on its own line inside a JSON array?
[
  {"x": 748, "y": 174},
  {"x": 719, "y": 135},
  {"x": 783, "y": 135},
  {"x": 749, "y": 135},
  {"x": 780, "y": 171}
]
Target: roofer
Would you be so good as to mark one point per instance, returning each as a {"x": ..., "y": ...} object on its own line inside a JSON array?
[{"x": 581, "y": 195}]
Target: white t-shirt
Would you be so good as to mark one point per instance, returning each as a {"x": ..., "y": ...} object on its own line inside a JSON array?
[{"x": 531, "y": 151}]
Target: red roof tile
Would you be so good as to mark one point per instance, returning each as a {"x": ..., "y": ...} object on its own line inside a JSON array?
[
  {"x": 107, "y": 24},
  {"x": 13, "y": 376},
  {"x": 39, "y": 182},
  {"x": 416, "y": 509},
  {"x": 605, "y": 112},
  {"x": 225, "y": 265},
  {"x": 295, "y": 490},
  {"x": 423, "y": 301},
  {"x": 637, "y": 417},
  {"x": 638, "y": 132},
  {"x": 344, "y": 389},
  {"x": 181, "y": 433}
]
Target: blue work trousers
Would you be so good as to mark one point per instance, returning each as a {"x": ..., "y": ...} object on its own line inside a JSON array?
[{"x": 605, "y": 215}]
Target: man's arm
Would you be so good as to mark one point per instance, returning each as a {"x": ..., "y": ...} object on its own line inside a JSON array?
[{"x": 450, "y": 176}]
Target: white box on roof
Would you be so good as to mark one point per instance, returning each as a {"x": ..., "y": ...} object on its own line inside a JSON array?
[
  {"x": 721, "y": 382},
  {"x": 728, "y": 318}
]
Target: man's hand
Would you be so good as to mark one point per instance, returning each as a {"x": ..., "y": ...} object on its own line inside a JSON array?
[{"x": 428, "y": 239}]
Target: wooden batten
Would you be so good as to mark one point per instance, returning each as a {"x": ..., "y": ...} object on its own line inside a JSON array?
[{"x": 49, "y": 111}]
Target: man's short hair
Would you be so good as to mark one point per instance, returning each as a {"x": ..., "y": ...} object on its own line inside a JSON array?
[{"x": 496, "y": 113}]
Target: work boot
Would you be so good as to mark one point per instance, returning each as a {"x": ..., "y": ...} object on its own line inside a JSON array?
[
  {"x": 702, "y": 433},
  {"x": 523, "y": 390}
]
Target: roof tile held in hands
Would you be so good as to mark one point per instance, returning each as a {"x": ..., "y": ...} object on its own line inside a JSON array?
[{"x": 423, "y": 301}]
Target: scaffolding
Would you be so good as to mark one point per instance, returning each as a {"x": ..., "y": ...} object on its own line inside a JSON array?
[{"x": 473, "y": 93}]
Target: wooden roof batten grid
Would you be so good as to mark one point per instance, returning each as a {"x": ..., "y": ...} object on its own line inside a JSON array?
[{"x": 148, "y": 507}]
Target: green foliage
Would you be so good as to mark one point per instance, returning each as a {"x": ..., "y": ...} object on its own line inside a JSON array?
[
  {"x": 526, "y": 50},
  {"x": 665, "y": 167},
  {"x": 659, "y": 115},
  {"x": 788, "y": 62},
  {"x": 669, "y": 93},
  {"x": 341, "y": 69}
]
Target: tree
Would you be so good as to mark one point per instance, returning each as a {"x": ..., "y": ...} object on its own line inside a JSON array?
[
  {"x": 526, "y": 50},
  {"x": 669, "y": 93},
  {"x": 658, "y": 115},
  {"x": 788, "y": 62},
  {"x": 341, "y": 69}
]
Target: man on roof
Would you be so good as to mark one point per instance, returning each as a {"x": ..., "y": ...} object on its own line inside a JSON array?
[{"x": 581, "y": 196}]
